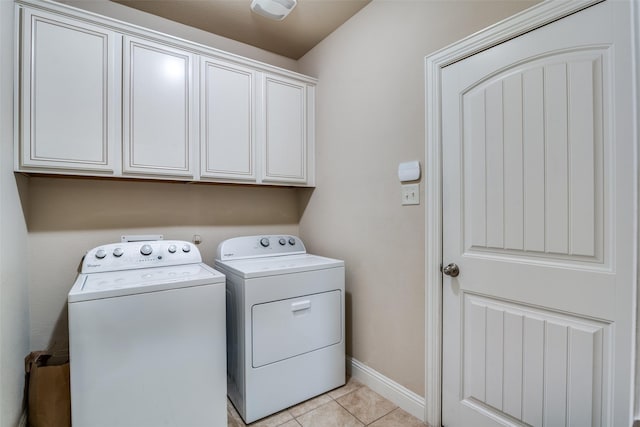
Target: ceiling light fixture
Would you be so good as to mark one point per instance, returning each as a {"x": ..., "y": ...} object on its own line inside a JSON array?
[{"x": 273, "y": 9}]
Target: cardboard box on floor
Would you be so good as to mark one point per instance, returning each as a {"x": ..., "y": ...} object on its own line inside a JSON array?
[{"x": 48, "y": 391}]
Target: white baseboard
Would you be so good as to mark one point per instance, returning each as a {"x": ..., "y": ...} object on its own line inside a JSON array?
[{"x": 387, "y": 388}]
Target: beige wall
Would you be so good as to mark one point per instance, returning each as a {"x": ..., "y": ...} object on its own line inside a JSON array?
[
  {"x": 14, "y": 306},
  {"x": 70, "y": 216},
  {"x": 370, "y": 117}
]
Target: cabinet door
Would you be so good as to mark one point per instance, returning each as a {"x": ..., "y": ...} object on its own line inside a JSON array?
[
  {"x": 158, "y": 127},
  {"x": 227, "y": 122},
  {"x": 285, "y": 130},
  {"x": 68, "y": 97}
]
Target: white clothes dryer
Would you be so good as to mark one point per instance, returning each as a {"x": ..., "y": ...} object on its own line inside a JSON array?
[
  {"x": 285, "y": 323},
  {"x": 147, "y": 338}
]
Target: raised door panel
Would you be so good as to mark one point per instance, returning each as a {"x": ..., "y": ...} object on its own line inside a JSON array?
[
  {"x": 68, "y": 107},
  {"x": 158, "y": 89},
  {"x": 531, "y": 365},
  {"x": 285, "y": 130},
  {"x": 538, "y": 174},
  {"x": 227, "y": 125}
]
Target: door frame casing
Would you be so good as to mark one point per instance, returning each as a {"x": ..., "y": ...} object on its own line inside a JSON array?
[{"x": 512, "y": 27}]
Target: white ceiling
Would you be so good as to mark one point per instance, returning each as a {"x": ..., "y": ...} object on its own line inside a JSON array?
[{"x": 308, "y": 23}]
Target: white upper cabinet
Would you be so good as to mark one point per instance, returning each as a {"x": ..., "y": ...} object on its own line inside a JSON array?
[
  {"x": 158, "y": 92},
  {"x": 285, "y": 130},
  {"x": 227, "y": 121},
  {"x": 101, "y": 97},
  {"x": 68, "y": 95}
]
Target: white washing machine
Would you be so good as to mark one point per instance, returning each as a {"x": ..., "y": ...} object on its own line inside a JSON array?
[
  {"x": 285, "y": 323},
  {"x": 147, "y": 338}
]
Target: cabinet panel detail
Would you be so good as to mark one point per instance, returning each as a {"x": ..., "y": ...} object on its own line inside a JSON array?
[
  {"x": 66, "y": 86},
  {"x": 158, "y": 88},
  {"x": 285, "y": 130},
  {"x": 227, "y": 121}
]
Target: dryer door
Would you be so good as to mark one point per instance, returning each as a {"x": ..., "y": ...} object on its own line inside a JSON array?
[{"x": 287, "y": 328}]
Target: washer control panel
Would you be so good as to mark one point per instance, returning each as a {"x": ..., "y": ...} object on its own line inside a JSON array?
[
  {"x": 259, "y": 246},
  {"x": 131, "y": 255}
]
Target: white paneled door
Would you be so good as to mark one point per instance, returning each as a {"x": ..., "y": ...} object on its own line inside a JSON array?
[{"x": 538, "y": 215}]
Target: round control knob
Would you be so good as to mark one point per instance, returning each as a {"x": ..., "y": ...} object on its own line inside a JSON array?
[
  {"x": 292, "y": 241},
  {"x": 146, "y": 250},
  {"x": 282, "y": 242},
  {"x": 117, "y": 252},
  {"x": 100, "y": 253},
  {"x": 172, "y": 249},
  {"x": 264, "y": 242},
  {"x": 186, "y": 248}
]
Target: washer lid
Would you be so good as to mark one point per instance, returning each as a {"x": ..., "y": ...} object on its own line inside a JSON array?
[
  {"x": 260, "y": 267},
  {"x": 128, "y": 282}
]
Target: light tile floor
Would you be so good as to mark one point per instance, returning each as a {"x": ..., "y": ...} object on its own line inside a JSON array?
[{"x": 352, "y": 405}]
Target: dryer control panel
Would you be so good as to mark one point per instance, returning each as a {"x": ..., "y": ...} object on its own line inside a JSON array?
[
  {"x": 259, "y": 246},
  {"x": 132, "y": 255}
]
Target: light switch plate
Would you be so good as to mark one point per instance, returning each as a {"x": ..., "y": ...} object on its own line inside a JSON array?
[{"x": 411, "y": 194}]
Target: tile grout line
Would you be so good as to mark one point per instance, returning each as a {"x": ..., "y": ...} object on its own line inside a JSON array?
[
  {"x": 358, "y": 418},
  {"x": 334, "y": 399},
  {"x": 382, "y": 416},
  {"x": 348, "y": 411},
  {"x": 326, "y": 403}
]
